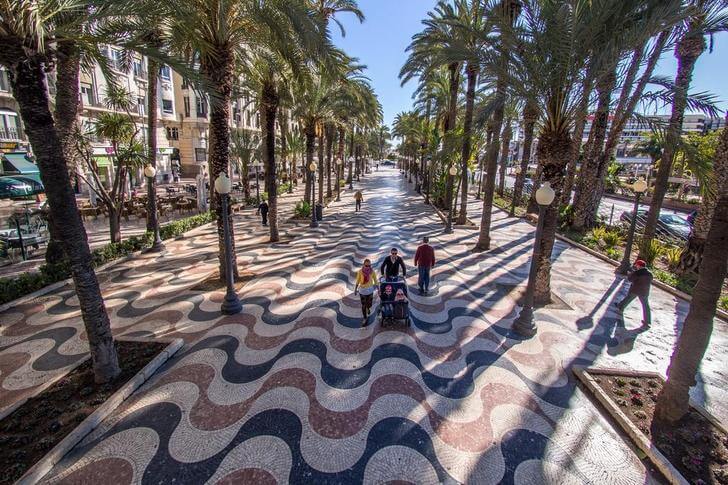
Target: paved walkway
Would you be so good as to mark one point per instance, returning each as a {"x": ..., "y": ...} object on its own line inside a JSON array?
[{"x": 292, "y": 390}]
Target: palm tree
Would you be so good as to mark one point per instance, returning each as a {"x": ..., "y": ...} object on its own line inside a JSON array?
[
  {"x": 705, "y": 17},
  {"x": 244, "y": 145},
  {"x": 328, "y": 9},
  {"x": 505, "y": 15},
  {"x": 28, "y": 30},
  {"x": 673, "y": 400},
  {"x": 530, "y": 118}
]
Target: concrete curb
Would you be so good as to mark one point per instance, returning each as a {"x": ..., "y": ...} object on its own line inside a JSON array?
[
  {"x": 45, "y": 464},
  {"x": 667, "y": 288},
  {"x": 639, "y": 439}
]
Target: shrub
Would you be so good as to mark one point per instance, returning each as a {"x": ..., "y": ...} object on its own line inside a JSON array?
[
  {"x": 612, "y": 238},
  {"x": 283, "y": 188},
  {"x": 177, "y": 228},
  {"x": 672, "y": 256},
  {"x": 651, "y": 251},
  {"x": 723, "y": 302},
  {"x": 614, "y": 254},
  {"x": 302, "y": 209},
  {"x": 566, "y": 216},
  {"x": 685, "y": 285}
]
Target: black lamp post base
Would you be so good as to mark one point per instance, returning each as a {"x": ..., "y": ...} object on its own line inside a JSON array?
[
  {"x": 523, "y": 325},
  {"x": 231, "y": 305}
]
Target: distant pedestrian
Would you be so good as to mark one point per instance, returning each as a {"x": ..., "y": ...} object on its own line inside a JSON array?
[
  {"x": 263, "y": 211},
  {"x": 366, "y": 284},
  {"x": 424, "y": 260},
  {"x": 640, "y": 282},
  {"x": 358, "y": 198},
  {"x": 391, "y": 266}
]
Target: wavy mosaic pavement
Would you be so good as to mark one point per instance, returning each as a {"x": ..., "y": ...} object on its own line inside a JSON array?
[{"x": 292, "y": 390}]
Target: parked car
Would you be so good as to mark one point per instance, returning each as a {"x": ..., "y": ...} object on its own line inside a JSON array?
[{"x": 670, "y": 225}]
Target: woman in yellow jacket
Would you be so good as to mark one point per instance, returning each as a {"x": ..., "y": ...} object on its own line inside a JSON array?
[{"x": 366, "y": 285}]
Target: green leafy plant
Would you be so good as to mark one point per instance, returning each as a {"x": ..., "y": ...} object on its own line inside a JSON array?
[
  {"x": 614, "y": 254},
  {"x": 651, "y": 251},
  {"x": 302, "y": 209},
  {"x": 671, "y": 256},
  {"x": 612, "y": 238},
  {"x": 723, "y": 303}
]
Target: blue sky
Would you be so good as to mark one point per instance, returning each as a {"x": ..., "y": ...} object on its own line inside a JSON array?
[{"x": 381, "y": 40}]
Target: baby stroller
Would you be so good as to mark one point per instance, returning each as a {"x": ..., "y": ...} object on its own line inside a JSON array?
[{"x": 391, "y": 310}]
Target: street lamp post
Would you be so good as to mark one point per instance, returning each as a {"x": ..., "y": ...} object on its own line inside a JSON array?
[
  {"x": 312, "y": 168},
  {"x": 451, "y": 173},
  {"x": 339, "y": 165},
  {"x": 426, "y": 179},
  {"x": 639, "y": 188},
  {"x": 231, "y": 304},
  {"x": 351, "y": 172},
  {"x": 150, "y": 172},
  {"x": 524, "y": 325},
  {"x": 513, "y": 196}
]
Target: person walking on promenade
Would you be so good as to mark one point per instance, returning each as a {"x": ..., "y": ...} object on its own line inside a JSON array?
[
  {"x": 424, "y": 260},
  {"x": 640, "y": 280},
  {"x": 358, "y": 198},
  {"x": 263, "y": 211},
  {"x": 391, "y": 265},
  {"x": 366, "y": 284}
]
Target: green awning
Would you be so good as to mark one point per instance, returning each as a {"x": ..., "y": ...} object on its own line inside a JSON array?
[{"x": 17, "y": 163}]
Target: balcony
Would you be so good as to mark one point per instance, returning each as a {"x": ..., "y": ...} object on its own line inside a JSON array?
[{"x": 10, "y": 134}]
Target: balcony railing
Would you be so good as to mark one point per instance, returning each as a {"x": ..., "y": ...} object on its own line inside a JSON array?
[{"x": 9, "y": 134}]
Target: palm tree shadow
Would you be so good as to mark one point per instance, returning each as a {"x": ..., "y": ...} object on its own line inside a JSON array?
[{"x": 587, "y": 321}]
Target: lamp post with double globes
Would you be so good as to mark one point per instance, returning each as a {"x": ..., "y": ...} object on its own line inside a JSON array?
[
  {"x": 451, "y": 173},
  {"x": 231, "y": 304},
  {"x": 312, "y": 168},
  {"x": 524, "y": 325},
  {"x": 639, "y": 188},
  {"x": 150, "y": 172},
  {"x": 339, "y": 165},
  {"x": 351, "y": 173}
]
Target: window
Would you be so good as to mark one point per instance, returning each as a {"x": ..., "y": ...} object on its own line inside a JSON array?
[
  {"x": 4, "y": 82},
  {"x": 187, "y": 106},
  {"x": 201, "y": 107},
  {"x": 185, "y": 83},
  {"x": 165, "y": 73},
  {"x": 172, "y": 133},
  {"x": 9, "y": 128},
  {"x": 115, "y": 59},
  {"x": 87, "y": 94},
  {"x": 257, "y": 120},
  {"x": 200, "y": 154},
  {"x": 139, "y": 70},
  {"x": 167, "y": 107},
  {"x": 141, "y": 106}
]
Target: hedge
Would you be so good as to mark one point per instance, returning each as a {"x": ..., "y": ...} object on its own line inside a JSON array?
[{"x": 26, "y": 283}]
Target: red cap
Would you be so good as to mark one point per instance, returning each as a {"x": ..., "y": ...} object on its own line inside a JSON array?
[{"x": 640, "y": 263}]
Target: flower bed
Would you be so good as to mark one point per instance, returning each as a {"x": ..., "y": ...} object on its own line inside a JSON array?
[{"x": 695, "y": 449}]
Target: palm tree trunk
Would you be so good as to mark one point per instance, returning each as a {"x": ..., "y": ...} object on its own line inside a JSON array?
[
  {"x": 219, "y": 72},
  {"x": 594, "y": 167},
  {"x": 153, "y": 68},
  {"x": 330, "y": 133},
  {"x": 472, "y": 75},
  {"x": 688, "y": 50},
  {"x": 530, "y": 116},
  {"x": 505, "y": 149},
  {"x": 673, "y": 400},
  {"x": 27, "y": 80},
  {"x": 66, "y": 119},
  {"x": 692, "y": 255},
  {"x": 553, "y": 152},
  {"x": 310, "y": 131},
  {"x": 321, "y": 168},
  {"x": 269, "y": 108}
]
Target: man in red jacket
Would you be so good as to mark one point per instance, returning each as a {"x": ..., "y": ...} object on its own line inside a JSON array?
[{"x": 424, "y": 260}]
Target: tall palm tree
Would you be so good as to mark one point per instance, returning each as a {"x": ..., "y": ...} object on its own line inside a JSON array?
[
  {"x": 28, "y": 31},
  {"x": 705, "y": 17},
  {"x": 673, "y": 400},
  {"x": 328, "y": 9},
  {"x": 504, "y": 16},
  {"x": 217, "y": 35}
]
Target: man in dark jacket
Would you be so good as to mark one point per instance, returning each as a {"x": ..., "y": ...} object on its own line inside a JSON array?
[
  {"x": 641, "y": 281},
  {"x": 391, "y": 265},
  {"x": 424, "y": 260},
  {"x": 263, "y": 211}
]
